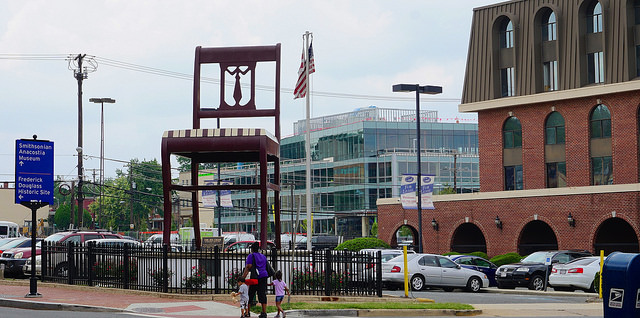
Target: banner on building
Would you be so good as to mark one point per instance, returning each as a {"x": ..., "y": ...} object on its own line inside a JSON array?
[
  {"x": 409, "y": 193},
  {"x": 210, "y": 197}
]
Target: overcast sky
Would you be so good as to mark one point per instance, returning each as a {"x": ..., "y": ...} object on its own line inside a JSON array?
[{"x": 145, "y": 50}]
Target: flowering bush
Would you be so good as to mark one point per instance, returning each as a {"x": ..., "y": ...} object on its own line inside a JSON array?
[
  {"x": 311, "y": 279},
  {"x": 197, "y": 279},
  {"x": 232, "y": 277},
  {"x": 115, "y": 269},
  {"x": 157, "y": 276}
]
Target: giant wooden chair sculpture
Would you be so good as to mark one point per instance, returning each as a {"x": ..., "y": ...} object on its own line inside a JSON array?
[{"x": 224, "y": 145}]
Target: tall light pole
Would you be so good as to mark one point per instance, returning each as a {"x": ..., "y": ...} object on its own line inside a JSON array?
[
  {"x": 101, "y": 101},
  {"x": 431, "y": 90}
]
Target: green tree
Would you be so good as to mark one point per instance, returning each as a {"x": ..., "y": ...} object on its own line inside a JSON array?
[
  {"x": 62, "y": 218},
  {"x": 185, "y": 164},
  {"x": 447, "y": 190},
  {"x": 133, "y": 194}
]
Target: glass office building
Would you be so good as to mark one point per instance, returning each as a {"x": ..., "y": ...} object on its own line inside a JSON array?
[{"x": 357, "y": 157}]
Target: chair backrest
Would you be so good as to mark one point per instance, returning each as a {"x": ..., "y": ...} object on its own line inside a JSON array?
[{"x": 237, "y": 62}]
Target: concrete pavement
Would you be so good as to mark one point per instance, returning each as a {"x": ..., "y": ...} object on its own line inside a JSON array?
[{"x": 83, "y": 298}]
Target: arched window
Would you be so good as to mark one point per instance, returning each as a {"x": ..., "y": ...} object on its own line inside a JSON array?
[
  {"x": 554, "y": 129},
  {"x": 506, "y": 34},
  {"x": 555, "y": 162},
  {"x": 600, "y": 133},
  {"x": 512, "y": 133},
  {"x": 594, "y": 18},
  {"x": 600, "y": 122},
  {"x": 549, "y": 26},
  {"x": 512, "y": 140}
]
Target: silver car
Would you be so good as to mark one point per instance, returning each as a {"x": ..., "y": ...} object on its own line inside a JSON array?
[{"x": 433, "y": 271}]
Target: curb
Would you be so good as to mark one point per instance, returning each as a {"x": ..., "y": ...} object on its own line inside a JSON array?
[
  {"x": 36, "y": 305},
  {"x": 382, "y": 312}
]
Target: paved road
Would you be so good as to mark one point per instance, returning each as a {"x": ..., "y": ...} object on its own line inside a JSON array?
[{"x": 487, "y": 297}]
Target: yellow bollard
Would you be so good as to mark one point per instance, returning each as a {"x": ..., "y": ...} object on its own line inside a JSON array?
[
  {"x": 406, "y": 272},
  {"x": 600, "y": 280}
]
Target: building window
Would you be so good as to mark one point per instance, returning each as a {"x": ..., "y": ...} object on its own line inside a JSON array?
[
  {"x": 595, "y": 67},
  {"x": 550, "y": 75},
  {"x": 513, "y": 178},
  {"x": 601, "y": 170},
  {"x": 506, "y": 34},
  {"x": 507, "y": 81},
  {"x": 600, "y": 122},
  {"x": 512, "y": 133},
  {"x": 556, "y": 174},
  {"x": 549, "y": 27},
  {"x": 594, "y": 18},
  {"x": 636, "y": 11},
  {"x": 637, "y": 60},
  {"x": 554, "y": 129}
]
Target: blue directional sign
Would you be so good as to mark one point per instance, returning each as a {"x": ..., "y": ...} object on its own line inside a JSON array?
[{"x": 34, "y": 171}]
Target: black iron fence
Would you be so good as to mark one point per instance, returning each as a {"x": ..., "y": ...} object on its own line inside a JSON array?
[{"x": 209, "y": 271}]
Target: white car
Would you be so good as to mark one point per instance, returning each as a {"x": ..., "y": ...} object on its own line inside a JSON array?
[
  {"x": 433, "y": 271},
  {"x": 577, "y": 274}
]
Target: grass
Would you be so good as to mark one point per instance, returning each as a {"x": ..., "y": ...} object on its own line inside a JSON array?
[{"x": 369, "y": 305}]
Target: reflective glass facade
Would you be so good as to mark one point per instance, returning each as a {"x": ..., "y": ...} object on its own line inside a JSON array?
[{"x": 359, "y": 157}]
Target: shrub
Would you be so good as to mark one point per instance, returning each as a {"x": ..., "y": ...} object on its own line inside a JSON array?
[
  {"x": 232, "y": 277},
  {"x": 157, "y": 276},
  {"x": 114, "y": 269},
  {"x": 479, "y": 254},
  {"x": 362, "y": 243},
  {"x": 197, "y": 279},
  {"x": 508, "y": 258}
]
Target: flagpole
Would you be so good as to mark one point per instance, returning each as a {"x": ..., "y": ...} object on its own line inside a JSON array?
[{"x": 307, "y": 145}]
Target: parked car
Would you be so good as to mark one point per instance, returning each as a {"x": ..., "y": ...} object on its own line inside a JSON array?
[
  {"x": 577, "y": 274},
  {"x": 479, "y": 264},
  {"x": 366, "y": 271},
  {"x": 246, "y": 246},
  {"x": 57, "y": 262},
  {"x": 432, "y": 271},
  {"x": 530, "y": 272},
  {"x": 8, "y": 243},
  {"x": 26, "y": 269},
  {"x": 14, "y": 258}
]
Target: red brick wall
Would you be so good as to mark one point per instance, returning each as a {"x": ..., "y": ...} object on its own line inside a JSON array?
[
  {"x": 624, "y": 114},
  {"x": 589, "y": 210}
]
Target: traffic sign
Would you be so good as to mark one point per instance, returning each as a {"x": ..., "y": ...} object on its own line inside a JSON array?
[{"x": 34, "y": 171}]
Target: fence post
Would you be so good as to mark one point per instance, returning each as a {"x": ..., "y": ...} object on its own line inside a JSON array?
[
  {"x": 91, "y": 261},
  {"x": 165, "y": 268},
  {"x": 217, "y": 270},
  {"x": 379, "y": 273},
  {"x": 70, "y": 263},
  {"x": 43, "y": 259},
  {"x": 126, "y": 264},
  {"x": 327, "y": 272}
]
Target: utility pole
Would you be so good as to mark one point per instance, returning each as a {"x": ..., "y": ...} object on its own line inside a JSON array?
[
  {"x": 80, "y": 76},
  {"x": 80, "y": 73}
]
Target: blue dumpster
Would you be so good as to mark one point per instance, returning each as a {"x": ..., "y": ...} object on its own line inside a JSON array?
[{"x": 621, "y": 285}]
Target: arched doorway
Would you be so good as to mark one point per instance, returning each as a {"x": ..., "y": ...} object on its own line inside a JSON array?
[
  {"x": 615, "y": 234},
  {"x": 536, "y": 236},
  {"x": 468, "y": 238},
  {"x": 405, "y": 235}
]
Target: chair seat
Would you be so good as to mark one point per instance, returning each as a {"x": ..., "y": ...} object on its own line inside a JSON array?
[{"x": 219, "y": 132}]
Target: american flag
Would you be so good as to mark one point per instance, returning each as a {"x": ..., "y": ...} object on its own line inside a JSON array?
[
  {"x": 301, "y": 85},
  {"x": 312, "y": 63}
]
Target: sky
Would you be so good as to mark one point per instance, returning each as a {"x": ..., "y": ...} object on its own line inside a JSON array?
[{"x": 144, "y": 52}]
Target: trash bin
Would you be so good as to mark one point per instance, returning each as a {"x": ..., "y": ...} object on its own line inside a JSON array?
[{"x": 621, "y": 285}]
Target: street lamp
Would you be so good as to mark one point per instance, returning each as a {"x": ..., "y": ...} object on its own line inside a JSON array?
[
  {"x": 101, "y": 101},
  {"x": 431, "y": 90}
]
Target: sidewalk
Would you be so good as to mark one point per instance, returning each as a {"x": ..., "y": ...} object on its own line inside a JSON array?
[{"x": 152, "y": 304}]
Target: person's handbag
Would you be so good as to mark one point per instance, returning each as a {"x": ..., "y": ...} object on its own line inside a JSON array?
[{"x": 270, "y": 270}]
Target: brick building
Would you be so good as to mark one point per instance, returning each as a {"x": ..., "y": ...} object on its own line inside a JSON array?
[{"x": 555, "y": 85}]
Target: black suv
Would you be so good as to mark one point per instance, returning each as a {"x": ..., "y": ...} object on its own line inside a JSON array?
[{"x": 530, "y": 272}]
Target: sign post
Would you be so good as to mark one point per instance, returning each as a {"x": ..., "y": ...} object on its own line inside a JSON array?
[{"x": 34, "y": 188}]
